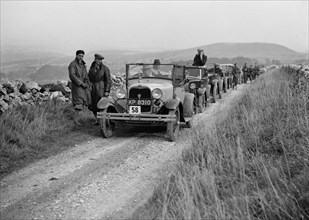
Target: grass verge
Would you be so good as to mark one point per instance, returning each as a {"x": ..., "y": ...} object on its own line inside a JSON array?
[
  {"x": 29, "y": 133},
  {"x": 254, "y": 164}
]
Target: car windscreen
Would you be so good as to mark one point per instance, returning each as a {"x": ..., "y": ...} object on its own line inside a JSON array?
[
  {"x": 192, "y": 72},
  {"x": 150, "y": 71}
]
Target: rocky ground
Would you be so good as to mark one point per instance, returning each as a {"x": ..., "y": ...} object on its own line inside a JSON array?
[{"x": 102, "y": 178}]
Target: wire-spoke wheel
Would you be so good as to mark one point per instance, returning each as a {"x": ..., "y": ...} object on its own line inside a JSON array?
[
  {"x": 173, "y": 126},
  {"x": 107, "y": 127}
]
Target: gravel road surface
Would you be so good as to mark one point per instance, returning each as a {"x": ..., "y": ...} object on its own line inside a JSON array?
[{"x": 103, "y": 178}]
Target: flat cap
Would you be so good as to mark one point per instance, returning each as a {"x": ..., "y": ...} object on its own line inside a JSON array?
[
  {"x": 199, "y": 50},
  {"x": 98, "y": 56}
]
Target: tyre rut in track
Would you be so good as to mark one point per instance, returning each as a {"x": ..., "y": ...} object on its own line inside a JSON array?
[{"x": 102, "y": 178}]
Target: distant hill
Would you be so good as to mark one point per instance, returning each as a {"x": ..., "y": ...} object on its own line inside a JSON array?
[
  {"x": 12, "y": 54},
  {"x": 53, "y": 66},
  {"x": 50, "y": 73},
  {"x": 250, "y": 50},
  {"x": 259, "y": 51}
]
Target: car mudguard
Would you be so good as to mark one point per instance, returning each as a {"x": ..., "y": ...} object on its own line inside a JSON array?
[
  {"x": 188, "y": 108},
  {"x": 105, "y": 102},
  {"x": 172, "y": 104},
  {"x": 201, "y": 91}
]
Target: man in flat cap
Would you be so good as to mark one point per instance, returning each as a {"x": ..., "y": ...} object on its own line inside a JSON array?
[
  {"x": 80, "y": 84},
  {"x": 101, "y": 82},
  {"x": 200, "y": 58}
]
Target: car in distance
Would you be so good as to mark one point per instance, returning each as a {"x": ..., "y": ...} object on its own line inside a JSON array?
[
  {"x": 151, "y": 97},
  {"x": 215, "y": 77},
  {"x": 227, "y": 70}
]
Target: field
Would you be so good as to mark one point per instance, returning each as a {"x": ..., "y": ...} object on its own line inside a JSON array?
[
  {"x": 29, "y": 133},
  {"x": 252, "y": 165}
]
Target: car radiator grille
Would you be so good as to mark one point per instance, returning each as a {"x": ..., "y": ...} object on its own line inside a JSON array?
[{"x": 145, "y": 93}]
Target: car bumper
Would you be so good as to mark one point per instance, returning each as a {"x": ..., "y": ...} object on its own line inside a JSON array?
[{"x": 133, "y": 117}]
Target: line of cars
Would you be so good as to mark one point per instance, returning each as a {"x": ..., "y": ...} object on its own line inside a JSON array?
[{"x": 167, "y": 97}]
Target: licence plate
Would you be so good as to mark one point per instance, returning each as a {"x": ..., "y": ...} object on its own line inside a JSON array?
[
  {"x": 136, "y": 102},
  {"x": 135, "y": 110}
]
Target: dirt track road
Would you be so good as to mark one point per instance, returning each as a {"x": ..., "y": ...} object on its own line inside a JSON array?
[{"x": 102, "y": 178}]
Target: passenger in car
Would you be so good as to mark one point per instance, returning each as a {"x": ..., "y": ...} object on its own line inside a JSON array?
[
  {"x": 147, "y": 70},
  {"x": 156, "y": 67}
]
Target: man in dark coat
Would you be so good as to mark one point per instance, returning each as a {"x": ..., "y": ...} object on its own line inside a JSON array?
[
  {"x": 80, "y": 84},
  {"x": 250, "y": 73},
  {"x": 245, "y": 70},
  {"x": 256, "y": 70},
  {"x": 200, "y": 58},
  {"x": 101, "y": 82},
  {"x": 236, "y": 74}
]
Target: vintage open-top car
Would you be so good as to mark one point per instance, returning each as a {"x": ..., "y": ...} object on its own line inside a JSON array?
[
  {"x": 197, "y": 83},
  {"x": 154, "y": 95},
  {"x": 215, "y": 77},
  {"x": 227, "y": 70}
]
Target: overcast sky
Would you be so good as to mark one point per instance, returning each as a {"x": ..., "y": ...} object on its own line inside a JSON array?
[{"x": 69, "y": 25}]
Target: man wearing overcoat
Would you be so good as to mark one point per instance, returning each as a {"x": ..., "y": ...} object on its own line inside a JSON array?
[
  {"x": 101, "y": 82},
  {"x": 80, "y": 84}
]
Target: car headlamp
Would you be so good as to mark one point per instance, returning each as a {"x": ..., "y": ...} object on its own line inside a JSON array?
[
  {"x": 120, "y": 93},
  {"x": 192, "y": 86},
  {"x": 157, "y": 93}
]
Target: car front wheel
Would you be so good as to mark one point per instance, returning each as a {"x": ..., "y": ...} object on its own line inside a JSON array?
[
  {"x": 173, "y": 126},
  {"x": 107, "y": 127}
]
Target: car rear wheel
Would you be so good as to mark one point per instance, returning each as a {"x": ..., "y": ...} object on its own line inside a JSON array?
[
  {"x": 225, "y": 85},
  {"x": 173, "y": 126},
  {"x": 190, "y": 123},
  {"x": 214, "y": 93},
  {"x": 107, "y": 127}
]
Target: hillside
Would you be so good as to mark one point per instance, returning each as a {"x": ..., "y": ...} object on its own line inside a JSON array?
[
  {"x": 49, "y": 73},
  {"x": 16, "y": 54},
  {"x": 14, "y": 65},
  {"x": 259, "y": 51}
]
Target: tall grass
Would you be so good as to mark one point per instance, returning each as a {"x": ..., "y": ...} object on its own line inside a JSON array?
[
  {"x": 254, "y": 164},
  {"x": 24, "y": 130}
]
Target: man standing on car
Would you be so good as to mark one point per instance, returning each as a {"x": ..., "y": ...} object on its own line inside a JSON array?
[
  {"x": 80, "y": 84},
  {"x": 200, "y": 58},
  {"x": 101, "y": 82},
  {"x": 245, "y": 71}
]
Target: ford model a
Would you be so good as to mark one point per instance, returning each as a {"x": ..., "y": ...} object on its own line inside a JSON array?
[
  {"x": 197, "y": 83},
  {"x": 153, "y": 96},
  {"x": 216, "y": 82},
  {"x": 227, "y": 70}
]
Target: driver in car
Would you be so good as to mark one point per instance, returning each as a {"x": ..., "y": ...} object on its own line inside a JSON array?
[{"x": 147, "y": 70}]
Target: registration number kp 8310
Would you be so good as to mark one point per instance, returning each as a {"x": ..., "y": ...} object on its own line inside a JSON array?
[
  {"x": 139, "y": 102},
  {"x": 135, "y": 105}
]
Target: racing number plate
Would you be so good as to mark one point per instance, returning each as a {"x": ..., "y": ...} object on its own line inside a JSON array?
[
  {"x": 135, "y": 105},
  {"x": 135, "y": 110}
]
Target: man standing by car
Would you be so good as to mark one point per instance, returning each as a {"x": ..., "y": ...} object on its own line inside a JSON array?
[
  {"x": 101, "y": 82},
  {"x": 236, "y": 74},
  {"x": 200, "y": 58},
  {"x": 250, "y": 73},
  {"x": 256, "y": 70},
  {"x": 80, "y": 84},
  {"x": 245, "y": 71}
]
